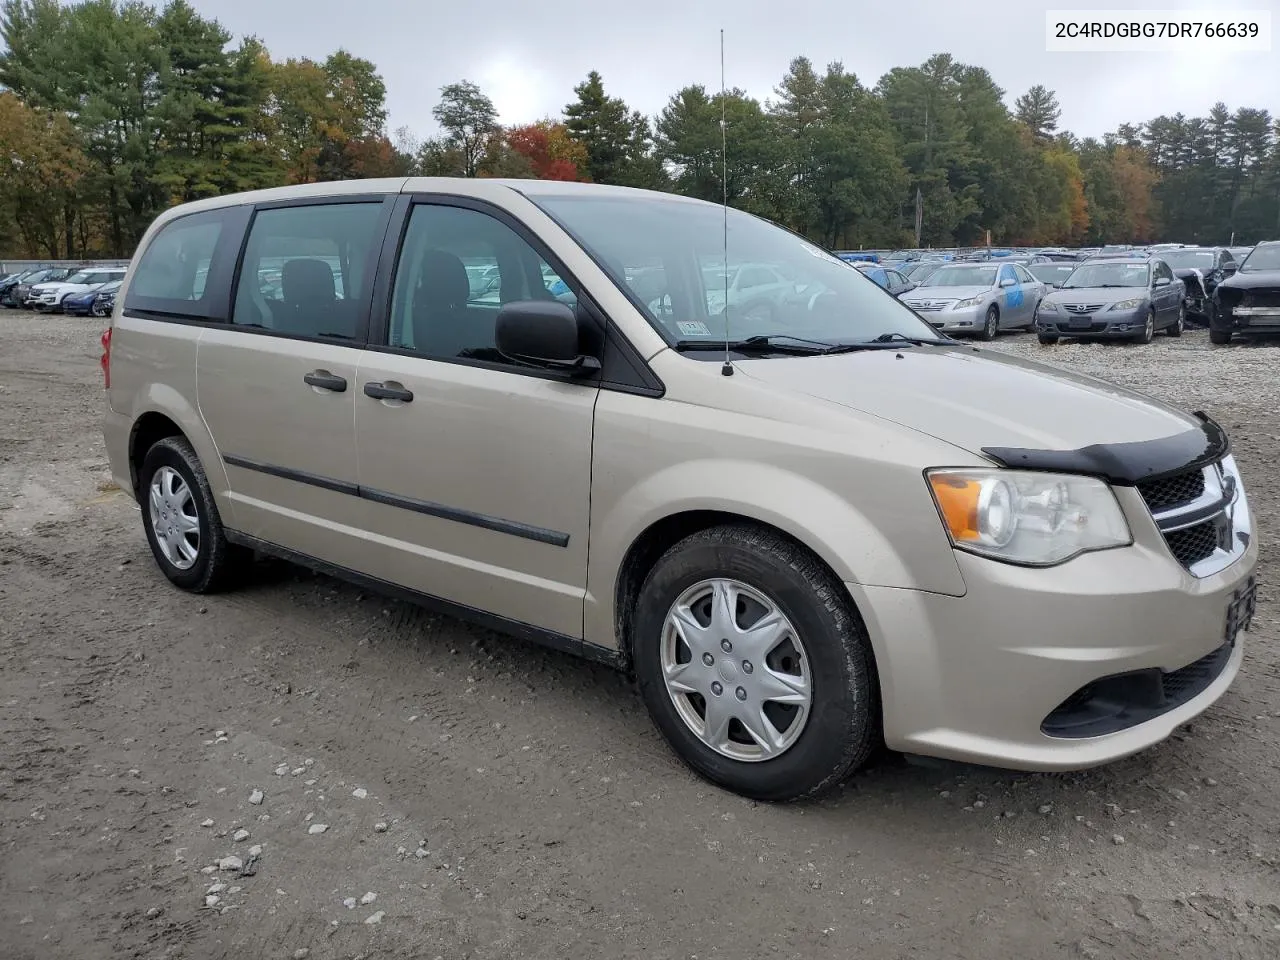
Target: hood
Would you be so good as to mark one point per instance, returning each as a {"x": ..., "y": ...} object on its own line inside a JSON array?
[
  {"x": 944, "y": 294},
  {"x": 974, "y": 398},
  {"x": 1252, "y": 280},
  {"x": 1102, "y": 295}
]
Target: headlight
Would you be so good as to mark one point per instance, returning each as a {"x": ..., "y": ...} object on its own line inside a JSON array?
[
  {"x": 963, "y": 304},
  {"x": 1048, "y": 307},
  {"x": 1034, "y": 519},
  {"x": 1127, "y": 304}
]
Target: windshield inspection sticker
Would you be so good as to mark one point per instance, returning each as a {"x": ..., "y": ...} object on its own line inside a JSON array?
[{"x": 694, "y": 328}]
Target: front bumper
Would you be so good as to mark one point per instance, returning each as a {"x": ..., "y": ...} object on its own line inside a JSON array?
[
  {"x": 977, "y": 678},
  {"x": 1250, "y": 319},
  {"x": 967, "y": 320},
  {"x": 1104, "y": 323}
]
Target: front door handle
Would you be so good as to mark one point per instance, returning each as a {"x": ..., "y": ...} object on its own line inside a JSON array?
[
  {"x": 381, "y": 391},
  {"x": 324, "y": 380}
]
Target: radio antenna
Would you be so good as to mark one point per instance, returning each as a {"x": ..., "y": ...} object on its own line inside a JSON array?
[{"x": 727, "y": 369}]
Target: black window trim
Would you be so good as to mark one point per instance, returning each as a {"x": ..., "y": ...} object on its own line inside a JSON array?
[
  {"x": 233, "y": 220},
  {"x": 632, "y": 375},
  {"x": 387, "y": 203}
]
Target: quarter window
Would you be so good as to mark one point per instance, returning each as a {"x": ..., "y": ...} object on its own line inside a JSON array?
[
  {"x": 306, "y": 270},
  {"x": 171, "y": 275},
  {"x": 457, "y": 268}
]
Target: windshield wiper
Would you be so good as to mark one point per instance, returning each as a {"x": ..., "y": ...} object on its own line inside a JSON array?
[
  {"x": 765, "y": 343},
  {"x": 914, "y": 341}
]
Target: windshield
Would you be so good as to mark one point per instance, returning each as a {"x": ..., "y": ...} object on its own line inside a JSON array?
[
  {"x": 1262, "y": 258},
  {"x": 1051, "y": 272},
  {"x": 962, "y": 277},
  {"x": 1187, "y": 259},
  {"x": 79, "y": 278},
  {"x": 1108, "y": 275},
  {"x": 670, "y": 256}
]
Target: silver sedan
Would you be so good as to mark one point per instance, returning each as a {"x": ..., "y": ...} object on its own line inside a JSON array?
[{"x": 979, "y": 299}]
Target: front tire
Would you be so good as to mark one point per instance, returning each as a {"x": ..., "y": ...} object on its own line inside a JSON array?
[
  {"x": 1047, "y": 339},
  {"x": 990, "y": 324},
  {"x": 1219, "y": 337},
  {"x": 181, "y": 520},
  {"x": 1148, "y": 329},
  {"x": 754, "y": 665}
]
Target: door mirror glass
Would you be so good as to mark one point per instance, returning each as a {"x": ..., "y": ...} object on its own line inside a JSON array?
[
  {"x": 1008, "y": 282},
  {"x": 1162, "y": 281},
  {"x": 543, "y": 333}
]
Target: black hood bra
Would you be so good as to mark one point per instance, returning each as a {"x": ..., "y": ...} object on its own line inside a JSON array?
[{"x": 1126, "y": 464}]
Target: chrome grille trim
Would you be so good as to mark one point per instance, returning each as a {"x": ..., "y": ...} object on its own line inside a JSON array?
[{"x": 1222, "y": 510}]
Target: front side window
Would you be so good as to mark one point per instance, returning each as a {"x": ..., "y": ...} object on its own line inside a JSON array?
[
  {"x": 457, "y": 268},
  {"x": 672, "y": 257},
  {"x": 306, "y": 269}
]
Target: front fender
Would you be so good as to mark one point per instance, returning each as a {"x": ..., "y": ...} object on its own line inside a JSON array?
[{"x": 907, "y": 548}]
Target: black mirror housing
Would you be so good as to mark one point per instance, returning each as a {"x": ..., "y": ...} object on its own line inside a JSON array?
[{"x": 542, "y": 333}]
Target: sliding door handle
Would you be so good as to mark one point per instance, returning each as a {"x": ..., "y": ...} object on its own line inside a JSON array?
[
  {"x": 324, "y": 380},
  {"x": 387, "y": 391}
]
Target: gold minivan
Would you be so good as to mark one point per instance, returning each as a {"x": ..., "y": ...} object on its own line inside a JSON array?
[{"x": 684, "y": 441}]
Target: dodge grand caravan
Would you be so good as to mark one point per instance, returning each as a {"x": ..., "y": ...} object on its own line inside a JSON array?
[{"x": 806, "y": 523}]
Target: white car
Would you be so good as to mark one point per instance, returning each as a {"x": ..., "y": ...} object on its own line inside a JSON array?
[{"x": 49, "y": 296}]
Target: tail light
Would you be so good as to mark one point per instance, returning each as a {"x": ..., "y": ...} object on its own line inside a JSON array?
[{"x": 106, "y": 358}]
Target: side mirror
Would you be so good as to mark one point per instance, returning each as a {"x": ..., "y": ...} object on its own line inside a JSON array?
[
  {"x": 1162, "y": 281},
  {"x": 1229, "y": 269},
  {"x": 1008, "y": 282},
  {"x": 543, "y": 333}
]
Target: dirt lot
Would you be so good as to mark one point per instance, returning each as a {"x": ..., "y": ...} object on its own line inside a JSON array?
[{"x": 485, "y": 799}]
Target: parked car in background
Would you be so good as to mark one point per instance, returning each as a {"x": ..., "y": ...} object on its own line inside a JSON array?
[
  {"x": 1201, "y": 269},
  {"x": 20, "y": 292},
  {"x": 889, "y": 278},
  {"x": 979, "y": 299},
  {"x": 47, "y": 296},
  {"x": 1124, "y": 298},
  {"x": 105, "y": 301},
  {"x": 1248, "y": 303},
  {"x": 1051, "y": 274},
  {"x": 917, "y": 270},
  {"x": 833, "y": 531},
  {"x": 84, "y": 304}
]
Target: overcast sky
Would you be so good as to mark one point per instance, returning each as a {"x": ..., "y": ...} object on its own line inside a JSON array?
[{"x": 528, "y": 54}]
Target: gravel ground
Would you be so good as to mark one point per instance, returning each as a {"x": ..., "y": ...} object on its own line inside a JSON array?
[{"x": 300, "y": 769}]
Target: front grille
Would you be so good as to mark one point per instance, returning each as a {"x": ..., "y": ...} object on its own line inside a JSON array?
[
  {"x": 1262, "y": 298},
  {"x": 1082, "y": 307},
  {"x": 1194, "y": 544},
  {"x": 1172, "y": 491}
]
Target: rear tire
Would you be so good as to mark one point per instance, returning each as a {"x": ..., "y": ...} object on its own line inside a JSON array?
[
  {"x": 821, "y": 650},
  {"x": 182, "y": 523},
  {"x": 1180, "y": 324}
]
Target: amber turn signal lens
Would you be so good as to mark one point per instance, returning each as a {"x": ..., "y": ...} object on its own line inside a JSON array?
[{"x": 958, "y": 503}]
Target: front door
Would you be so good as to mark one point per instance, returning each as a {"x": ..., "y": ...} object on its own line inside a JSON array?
[
  {"x": 1013, "y": 302},
  {"x": 277, "y": 386},
  {"x": 476, "y": 471}
]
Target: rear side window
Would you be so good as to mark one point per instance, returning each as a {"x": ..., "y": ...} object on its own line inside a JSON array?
[
  {"x": 176, "y": 265},
  {"x": 172, "y": 275},
  {"x": 307, "y": 269}
]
